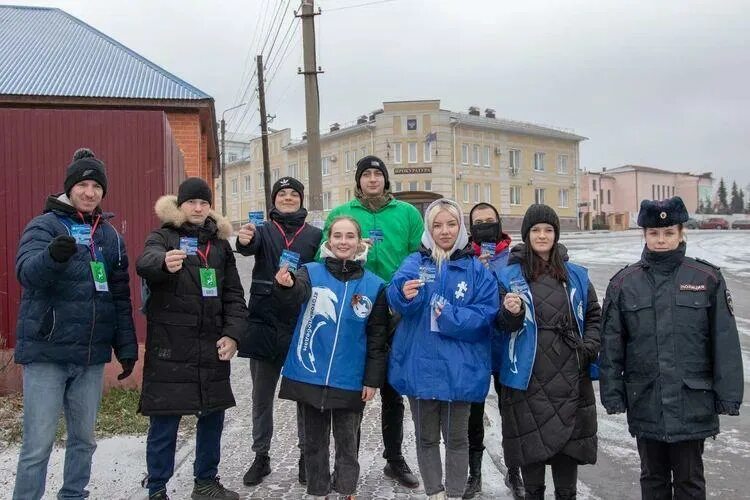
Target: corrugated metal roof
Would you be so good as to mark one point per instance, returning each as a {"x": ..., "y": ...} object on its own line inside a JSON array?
[{"x": 47, "y": 52}]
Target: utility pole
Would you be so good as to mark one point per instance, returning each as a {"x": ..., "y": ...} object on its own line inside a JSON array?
[
  {"x": 312, "y": 110},
  {"x": 223, "y": 160},
  {"x": 264, "y": 136}
]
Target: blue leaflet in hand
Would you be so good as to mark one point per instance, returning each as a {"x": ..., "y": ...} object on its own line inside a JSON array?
[
  {"x": 289, "y": 258},
  {"x": 257, "y": 218},
  {"x": 189, "y": 245},
  {"x": 489, "y": 248},
  {"x": 427, "y": 274},
  {"x": 81, "y": 233},
  {"x": 375, "y": 235}
]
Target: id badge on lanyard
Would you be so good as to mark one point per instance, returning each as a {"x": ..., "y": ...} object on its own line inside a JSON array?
[{"x": 209, "y": 285}]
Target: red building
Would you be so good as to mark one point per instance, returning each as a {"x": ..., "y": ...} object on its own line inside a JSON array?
[{"x": 65, "y": 85}]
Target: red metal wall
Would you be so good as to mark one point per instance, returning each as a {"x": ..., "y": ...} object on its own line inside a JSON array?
[{"x": 36, "y": 145}]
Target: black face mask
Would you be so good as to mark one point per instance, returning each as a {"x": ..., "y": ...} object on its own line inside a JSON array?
[{"x": 486, "y": 232}]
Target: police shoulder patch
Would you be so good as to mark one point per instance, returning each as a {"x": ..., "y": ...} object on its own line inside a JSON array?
[
  {"x": 619, "y": 272},
  {"x": 702, "y": 261}
]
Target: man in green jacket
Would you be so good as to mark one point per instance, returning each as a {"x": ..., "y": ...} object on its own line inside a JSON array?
[{"x": 394, "y": 230}]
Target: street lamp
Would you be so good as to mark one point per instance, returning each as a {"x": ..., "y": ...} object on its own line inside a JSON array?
[{"x": 223, "y": 160}]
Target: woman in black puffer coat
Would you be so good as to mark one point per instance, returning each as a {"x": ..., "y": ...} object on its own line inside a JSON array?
[{"x": 548, "y": 403}]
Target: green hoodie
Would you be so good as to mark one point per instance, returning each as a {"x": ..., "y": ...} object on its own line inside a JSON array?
[{"x": 401, "y": 225}]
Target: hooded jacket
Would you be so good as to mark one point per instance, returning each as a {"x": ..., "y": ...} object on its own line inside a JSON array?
[
  {"x": 62, "y": 318},
  {"x": 546, "y": 353},
  {"x": 270, "y": 324},
  {"x": 182, "y": 373},
  {"x": 447, "y": 359},
  {"x": 396, "y": 231},
  {"x": 339, "y": 341},
  {"x": 671, "y": 354}
]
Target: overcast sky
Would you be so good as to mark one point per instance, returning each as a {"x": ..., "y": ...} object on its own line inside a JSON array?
[{"x": 659, "y": 83}]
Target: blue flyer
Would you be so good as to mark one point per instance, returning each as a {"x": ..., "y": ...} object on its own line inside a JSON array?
[
  {"x": 257, "y": 218},
  {"x": 375, "y": 235},
  {"x": 488, "y": 247},
  {"x": 81, "y": 233},
  {"x": 290, "y": 259},
  {"x": 427, "y": 274},
  {"x": 189, "y": 245}
]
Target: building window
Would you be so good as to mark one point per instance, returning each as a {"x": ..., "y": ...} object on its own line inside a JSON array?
[
  {"x": 486, "y": 156},
  {"x": 325, "y": 165},
  {"x": 348, "y": 195},
  {"x": 396, "y": 152},
  {"x": 275, "y": 175},
  {"x": 464, "y": 154},
  {"x": 260, "y": 181},
  {"x": 247, "y": 183},
  {"x": 347, "y": 161},
  {"x": 412, "y": 152},
  {"x": 363, "y": 151},
  {"x": 563, "y": 198},
  {"x": 539, "y": 162},
  {"x": 601, "y": 194},
  {"x": 475, "y": 154},
  {"x": 232, "y": 157},
  {"x": 397, "y": 187},
  {"x": 327, "y": 200},
  {"x": 515, "y": 195},
  {"x": 477, "y": 193},
  {"x": 428, "y": 185},
  {"x": 466, "y": 192},
  {"x": 488, "y": 193},
  {"x": 595, "y": 205},
  {"x": 609, "y": 196},
  {"x": 234, "y": 186},
  {"x": 514, "y": 159},
  {"x": 594, "y": 185},
  {"x": 653, "y": 191},
  {"x": 539, "y": 195},
  {"x": 562, "y": 164},
  {"x": 292, "y": 170},
  {"x": 427, "y": 152},
  {"x": 413, "y": 185}
]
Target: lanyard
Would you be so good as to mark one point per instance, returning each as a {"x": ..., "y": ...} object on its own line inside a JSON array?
[
  {"x": 283, "y": 235},
  {"x": 204, "y": 256},
  {"x": 93, "y": 231}
]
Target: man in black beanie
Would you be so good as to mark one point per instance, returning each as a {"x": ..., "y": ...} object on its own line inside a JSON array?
[
  {"x": 75, "y": 309},
  {"x": 394, "y": 230},
  {"x": 271, "y": 325}
]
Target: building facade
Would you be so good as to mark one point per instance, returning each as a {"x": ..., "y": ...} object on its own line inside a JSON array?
[
  {"x": 470, "y": 157},
  {"x": 611, "y": 198}
]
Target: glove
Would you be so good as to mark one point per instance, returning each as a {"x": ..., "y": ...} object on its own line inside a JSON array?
[
  {"x": 127, "y": 368},
  {"x": 727, "y": 408},
  {"x": 62, "y": 248}
]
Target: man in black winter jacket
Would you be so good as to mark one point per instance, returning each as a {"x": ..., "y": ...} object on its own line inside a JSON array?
[
  {"x": 271, "y": 324},
  {"x": 196, "y": 315}
]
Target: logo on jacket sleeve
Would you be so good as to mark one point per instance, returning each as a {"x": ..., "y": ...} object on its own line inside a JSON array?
[
  {"x": 321, "y": 308},
  {"x": 362, "y": 305},
  {"x": 461, "y": 290}
]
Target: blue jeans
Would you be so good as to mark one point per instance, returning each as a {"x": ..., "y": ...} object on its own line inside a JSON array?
[
  {"x": 162, "y": 443},
  {"x": 48, "y": 387}
]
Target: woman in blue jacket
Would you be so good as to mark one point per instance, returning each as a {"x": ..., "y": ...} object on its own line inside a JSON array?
[
  {"x": 440, "y": 357},
  {"x": 336, "y": 359},
  {"x": 550, "y": 327}
]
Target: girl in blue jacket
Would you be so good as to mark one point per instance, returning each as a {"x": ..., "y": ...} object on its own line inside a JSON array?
[
  {"x": 440, "y": 357},
  {"x": 336, "y": 359}
]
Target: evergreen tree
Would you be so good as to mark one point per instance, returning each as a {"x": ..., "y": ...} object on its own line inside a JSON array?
[
  {"x": 707, "y": 207},
  {"x": 700, "y": 208},
  {"x": 735, "y": 204},
  {"x": 723, "y": 207}
]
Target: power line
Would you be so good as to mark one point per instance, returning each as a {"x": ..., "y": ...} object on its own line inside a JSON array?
[
  {"x": 253, "y": 43},
  {"x": 272, "y": 58},
  {"x": 281, "y": 60},
  {"x": 281, "y": 23},
  {"x": 268, "y": 35},
  {"x": 359, "y": 5}
]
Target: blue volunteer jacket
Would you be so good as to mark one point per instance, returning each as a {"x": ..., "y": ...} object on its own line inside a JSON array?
[
  {"x": 452, "y": 363},
  {"x": 329, "y": 345},
  {"x": 518, "y": 349},
  {"x": 497, "y": 264}
]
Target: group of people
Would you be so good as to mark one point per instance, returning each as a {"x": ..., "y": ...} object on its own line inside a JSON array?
[{"x": 382, "y": 298}]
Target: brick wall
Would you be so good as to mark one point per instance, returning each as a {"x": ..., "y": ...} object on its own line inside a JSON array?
[{"x": 187, "y": 133}]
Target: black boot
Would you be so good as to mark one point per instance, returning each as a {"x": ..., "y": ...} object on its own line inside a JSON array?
[
  {"x": 261, "y": 468},
  {"x": 301, "y": 472},
  {"x": 514, "y": 482},
  {"x": 474, "y": 483},
  {"x": 565, "y": 494},
  {"x": 400, "y": 471},
  {"x": 212, "y": 489},
  {"x": 536, "y": 494}
]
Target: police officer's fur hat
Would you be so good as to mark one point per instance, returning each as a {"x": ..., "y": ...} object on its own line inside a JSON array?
[{"x": 662, "y": 213}]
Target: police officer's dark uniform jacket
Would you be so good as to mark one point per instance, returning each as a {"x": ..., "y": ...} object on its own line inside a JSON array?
[{"x": 182, "y": 373}]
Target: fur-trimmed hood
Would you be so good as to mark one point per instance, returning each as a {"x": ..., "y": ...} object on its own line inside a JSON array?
[{"x": 168, "y": 212}]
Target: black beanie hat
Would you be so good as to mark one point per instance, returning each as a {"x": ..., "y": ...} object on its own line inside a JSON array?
[
  {"x": 288, "y": 182},
  {"x": 85, "y": 167},
  {"x": 662, "y": 213},
  {"x": 537, "y": 214},
  {"x": 371, "y": 161},
  {"x": 194, "y": 188}
]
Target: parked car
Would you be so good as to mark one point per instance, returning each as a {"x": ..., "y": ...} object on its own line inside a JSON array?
[
  {"x": 714, "y": 223},
  {"x": 741, "y": 224},
  {"x": 691, "y": 224}
]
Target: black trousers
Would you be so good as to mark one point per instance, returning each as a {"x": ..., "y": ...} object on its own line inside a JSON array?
[
  {"x": 318, "y": 426},
  {"x": 564, "y": 475},
  {"x": 672, "y": 470},
  {"x": 476, "y": 419},
  {"x": 392, "y": 422}
]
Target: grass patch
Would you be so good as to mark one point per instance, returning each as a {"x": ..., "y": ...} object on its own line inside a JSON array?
[{"x": 118, "y": 416}]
